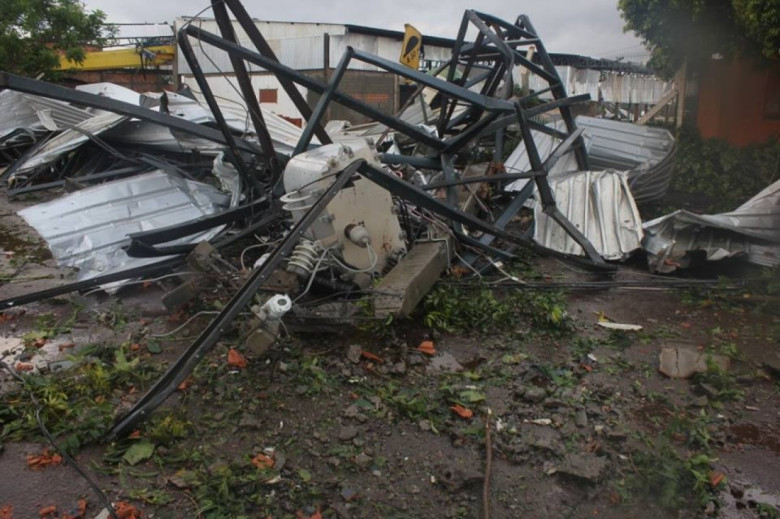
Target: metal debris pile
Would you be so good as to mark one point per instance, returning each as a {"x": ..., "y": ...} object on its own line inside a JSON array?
[{"x": 161, "y": 180}]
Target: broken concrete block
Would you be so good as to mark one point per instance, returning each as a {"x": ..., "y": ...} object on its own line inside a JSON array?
[
  {"x": 683, "y": 361},
  {"x": 588, "y": 467},
  {"x": 444, "y": 363}
]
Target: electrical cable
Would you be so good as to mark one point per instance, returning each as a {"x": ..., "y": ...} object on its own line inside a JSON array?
[
  {"x": 256, "y": 246},
  {"x": 371, "y": 255},
  {"x": 70, "y": 461},
  {"x": 183, "y": 325}
]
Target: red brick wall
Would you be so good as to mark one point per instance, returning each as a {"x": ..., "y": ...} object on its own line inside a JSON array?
[{"x": 150, "y": 81}]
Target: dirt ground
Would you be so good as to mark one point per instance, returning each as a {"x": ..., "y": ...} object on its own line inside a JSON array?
[{"x": 577, "y": 420}]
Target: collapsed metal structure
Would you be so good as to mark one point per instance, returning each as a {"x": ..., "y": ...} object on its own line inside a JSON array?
[{"x": 478, "y": 107}]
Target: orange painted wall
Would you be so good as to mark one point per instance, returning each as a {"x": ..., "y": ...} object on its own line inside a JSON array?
[{"x": 739, "y": 102}]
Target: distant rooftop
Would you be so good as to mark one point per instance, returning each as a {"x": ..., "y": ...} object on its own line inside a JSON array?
[{"x": 558, "y": 59}]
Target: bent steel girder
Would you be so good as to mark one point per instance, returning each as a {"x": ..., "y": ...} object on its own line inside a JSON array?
[
  {"x": 494, "y": 54},
  {"x": 77, "y": 97},
  {"x": 257, "y": 39},
  {"x": 184, "y": 365},
  {"x": 203, "y": 84},
  {"x": 247, "y": 91}
]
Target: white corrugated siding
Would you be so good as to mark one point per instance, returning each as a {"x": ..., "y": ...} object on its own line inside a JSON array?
[
  {"x": 613, "y": 87},
  {"x": 300, "y": 46}
]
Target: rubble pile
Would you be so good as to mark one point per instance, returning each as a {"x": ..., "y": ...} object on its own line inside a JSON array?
[{"x": 161, "y": 181}]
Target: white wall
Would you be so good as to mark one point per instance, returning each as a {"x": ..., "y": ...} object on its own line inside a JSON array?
[{"x": 221, "y": 88}]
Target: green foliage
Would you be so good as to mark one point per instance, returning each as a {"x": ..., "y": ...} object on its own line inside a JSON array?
[
  {"x": 480, "y": 309},
  {"x": 669, "y": 479},
  {"x": 33, "y": 33},
  {"x": 723, "y": 382},
  {"x": 230, "y": 490},
  {"x": 150, "y": 496},
  {"x": 164, "y": 430},
  {"x": 693, "y": 30},
  {"x": 77, "y": 405},
  {"x": 411, "y": 403},
  {"x": 767, "y": 510},
  {"x": 760, "y": 19},
  {"x": 725, "y": 175}
]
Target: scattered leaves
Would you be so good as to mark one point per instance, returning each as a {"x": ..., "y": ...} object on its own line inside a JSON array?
[
  {"x": 235, "y": 359},
  {"x": 461, "y": 411},
  {"x": 305, "y": 475},
  {"x": 66, "y": 345},
  {"x": 80, "y": 511},
  {"x": 43, "y": 460},
  {"x": 139, "y": 452},
  {"x": 472, "y": 396},
  {"x": 263, "y": 461},
  {"x": 23, "y": 366},
  {"x": 48, "y": 511},
  {"x": 7, "y": 318},
  {"x": 427, "y": 348},
  {"x": 153, "y": 347},
  {"x": 716, "y": 478},
  {"x": 126, "y": 511},
  {"x": 516, "y": 358},
  {"x": 370, "y": 356},
  {"x": 7, "y": 512}
]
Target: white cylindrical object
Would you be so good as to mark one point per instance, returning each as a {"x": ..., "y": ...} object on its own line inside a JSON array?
[
  {"x": 276, "y": 307},
  {"x": 358, "y": 235},
  {"x": 261, "y": 260}
]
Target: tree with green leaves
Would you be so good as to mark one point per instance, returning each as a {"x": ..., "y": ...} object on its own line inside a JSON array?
[
  {"x": 35, "y": 33},
  {"x": 694, "y": 30}
]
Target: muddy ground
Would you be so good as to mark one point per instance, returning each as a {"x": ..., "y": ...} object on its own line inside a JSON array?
[{"x": 577, "y": 419}]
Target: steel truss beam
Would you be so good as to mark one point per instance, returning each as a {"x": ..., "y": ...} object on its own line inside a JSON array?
[{"x": 183, "y": 366}]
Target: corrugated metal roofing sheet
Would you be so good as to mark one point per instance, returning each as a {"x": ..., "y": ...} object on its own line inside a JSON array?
[
  {"x": 646, "y": 152},
  {"x": 600, "y": 205},
  {"x": 36, "y": 113},
  {"x": 68, "y": 140},
  {"x": 752, "y": 230},
  {"x": 88, "y": 228}
]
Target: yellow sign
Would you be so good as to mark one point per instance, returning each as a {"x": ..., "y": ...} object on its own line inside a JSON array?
[{"x": 410, "y": 50}]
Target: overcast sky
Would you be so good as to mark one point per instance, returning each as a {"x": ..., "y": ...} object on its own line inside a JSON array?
[{"x": 587, "y": 27}]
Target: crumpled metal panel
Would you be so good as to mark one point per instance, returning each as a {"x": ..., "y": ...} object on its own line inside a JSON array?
[
  {"x": 646, "y": 152},
  {"x": 87, "y": 229},
  {"x": 69, "y": 140},
  {"x": 113, "y": 91},
  {"x": 17, "y": 114},
  {"x": 36, "y": 114},
  {"x": 56, "y": 115},
  {"x": 228, "y": 177},
  {"x": 518, "y": 162},
  {"x": 752, "y": 230},
  {"x": 600, "y": 205},
  {"x": 284, "y": 134}
]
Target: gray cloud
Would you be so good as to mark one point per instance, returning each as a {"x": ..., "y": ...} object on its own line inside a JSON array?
[{"x": 588, "y": 27}]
